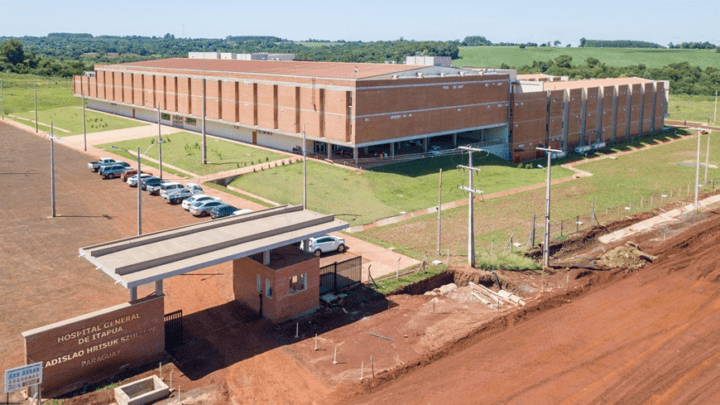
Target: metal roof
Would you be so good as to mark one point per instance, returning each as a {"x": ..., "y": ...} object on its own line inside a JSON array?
[{"x": 143, "y": 259}]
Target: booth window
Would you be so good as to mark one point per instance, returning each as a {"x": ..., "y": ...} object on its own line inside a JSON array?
[
  {"x": 268, "y": 288},
  {"x": 298, "y": 283}
]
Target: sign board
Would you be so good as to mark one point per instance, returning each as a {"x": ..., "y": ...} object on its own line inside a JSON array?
[
  {"x": 23, "y": 377},
  {"x": 98, "y": 345}
]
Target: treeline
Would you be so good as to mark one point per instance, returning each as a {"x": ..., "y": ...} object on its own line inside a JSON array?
[
  {"x": 684, "y": 79},
  {"x": 594, "y": 43},
  {"x": 693, "y": 45},
  {"x": 71, "y": 54}
]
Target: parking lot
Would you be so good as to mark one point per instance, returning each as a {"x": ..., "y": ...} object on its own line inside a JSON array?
[{"x": 44, "y": 280}]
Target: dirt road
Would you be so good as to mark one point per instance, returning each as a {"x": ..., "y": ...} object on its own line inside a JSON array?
[{"x": 648, "y": 337}]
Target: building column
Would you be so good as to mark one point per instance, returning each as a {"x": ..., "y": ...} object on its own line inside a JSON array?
[
  {"x": 133, "y": 294},
  {"x": 306, "y": 245},
  {"x": 355, "y": 155},
  {"x": 366, "y": 150},
  {"x": 266, "y": 258},
  {"x": 329, "y": 151},
  {"x": 392, "y": 150},
  {"x": 159, "y": 288},
  {"x": 455, "y": 140}
]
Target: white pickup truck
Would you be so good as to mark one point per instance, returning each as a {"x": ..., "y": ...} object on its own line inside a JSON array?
[{"x": 94, "y": 166}]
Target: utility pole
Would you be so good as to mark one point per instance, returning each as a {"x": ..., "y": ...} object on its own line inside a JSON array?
[
  {"x": 471, "y": 196},
  {"x": 715, "y": 115},
  {"x": 697, "y": 170},
  {"x": 439, "y": 226},
  {"x": 204, "y": 144},
  {"x": 304, "y": 172},
  {"x": 546, "y": 239},
  {"x": 707, "y": 159},
  {"x": 84, "y": 124},
  {"x": 52, "y": 169},
  {"x": 159, "y": 141},
  {"x": 36, "y": 122},
  {"x": 139, "y": 187},
  {"x": 2, "y": 100}
]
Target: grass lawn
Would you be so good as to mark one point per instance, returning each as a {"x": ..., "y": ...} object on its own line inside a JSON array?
[
  {"x": 56, "y": 104},
  {"x": 52, "y": 93},
  {"x": 494, "y": 56},
  {"x": 364, "y": 196},
  {"x": 616, "y": 183},
  {"x": 70, "y": 118},
  {"x": 183, "y": 150},
  {"x": 692, "y": 108}
]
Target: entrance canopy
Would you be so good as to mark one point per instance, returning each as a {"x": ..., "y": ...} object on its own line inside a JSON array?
[{"x": 143, "y": 259}]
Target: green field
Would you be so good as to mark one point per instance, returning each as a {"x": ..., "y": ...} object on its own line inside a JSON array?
[
  {"x": 616, "y": 184},
  {"x": 70, "y": 119},
  {"x": 494, "y": 56},
  {"x": 56, "y": 104},
  {"x": 692, "y": 108},
  {"x": 364, "y": 196},
  {"x": 184, "y": 150}
]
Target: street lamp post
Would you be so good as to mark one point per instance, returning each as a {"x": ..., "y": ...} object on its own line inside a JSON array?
[
  {"x": 546, "y": 239},
  {"x": 139, "y": 187},
  {"x": 159, "y": 141}
]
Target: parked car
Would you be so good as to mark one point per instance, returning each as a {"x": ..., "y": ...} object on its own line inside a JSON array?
[
  {"x": 96, "y": 164},
  {"x": 176, "y": 195},
  {"x": 151, "y": 182},
  {"x": 196, "y": 189},
  {"x": 171, "y": 187},
  {"x": 110, "y": 171},
  {"x": 326, "y": 243},
  {"x": 200, "y": 197},
  {"x": 132, "y": 180},
  {"x": 130, "y": 173},
  {"x": 117, "y": 163},
  {"x": 203, "y": 208},
  {"x": 222, "y": 210}
]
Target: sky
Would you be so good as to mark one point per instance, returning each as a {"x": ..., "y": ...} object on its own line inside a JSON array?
[{"x": 566, "y": 21}]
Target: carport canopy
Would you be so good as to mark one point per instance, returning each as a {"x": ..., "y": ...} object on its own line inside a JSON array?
[{"x": 153, "y": 257}]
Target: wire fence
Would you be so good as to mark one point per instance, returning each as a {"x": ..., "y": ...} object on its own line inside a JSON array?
[{"x": 565, "y": 227}]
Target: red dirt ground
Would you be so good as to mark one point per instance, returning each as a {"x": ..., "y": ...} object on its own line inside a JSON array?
[{"x": 645, "y": 337}]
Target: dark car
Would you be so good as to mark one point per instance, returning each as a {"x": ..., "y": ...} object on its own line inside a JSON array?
[
  {"x": 223, "y": 210},
  {"x": 151, "y": 181}
]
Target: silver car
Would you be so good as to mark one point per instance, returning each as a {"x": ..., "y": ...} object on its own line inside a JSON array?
[
  {"x": 200, "y": 197},
  {"x": 326, "y": 243},
  {"x": 132, "y": 181},
  {"x": 203, "y": 208}
]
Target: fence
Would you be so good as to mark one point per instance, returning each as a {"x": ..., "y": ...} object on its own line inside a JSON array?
[
  {"x": 173, "y": 330},
  {"x": 560, "y": 229},
  {"x": 341, "y": 275}
]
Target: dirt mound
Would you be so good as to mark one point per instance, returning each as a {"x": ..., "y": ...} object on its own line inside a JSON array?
[{"x": 628, "y": 256}]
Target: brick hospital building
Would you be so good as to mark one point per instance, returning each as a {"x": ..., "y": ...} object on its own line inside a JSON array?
[{"x": 369, "y": 109}]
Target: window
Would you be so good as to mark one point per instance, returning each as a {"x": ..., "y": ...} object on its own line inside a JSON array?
[
  {"x": 258, "y": 283},
  {"x": 298, "y": 283},
  {"x": 191, "y": 121},
  {"x": 165, "y": 116},
  {"x": 268, "y": 288}
]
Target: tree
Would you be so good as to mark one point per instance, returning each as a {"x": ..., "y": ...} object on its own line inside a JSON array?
[
  {"x": 563, "y": 61},
  {"x": 556, "y": 43},
  {"x": 12, "y": 51},
  {"x": 582, "y": 42},
  {"x": 592, "y": 62}
]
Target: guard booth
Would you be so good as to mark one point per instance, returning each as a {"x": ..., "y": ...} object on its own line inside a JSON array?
[{"x": 270, "y": 273}]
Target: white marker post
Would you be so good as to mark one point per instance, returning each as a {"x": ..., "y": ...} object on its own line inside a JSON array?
[
  {"x": 362, "y": 370},
  {"x": 335, "y": 356},
  {"x": 297, "y": 330},
  {"x": 316, "y": 348}
]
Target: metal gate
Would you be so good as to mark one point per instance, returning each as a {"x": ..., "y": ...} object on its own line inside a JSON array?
[
  {"x": 337, "y": 276},
  {"x": 173, "y": 330}
]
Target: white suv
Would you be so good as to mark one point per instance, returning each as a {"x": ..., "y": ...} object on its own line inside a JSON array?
[{"x": 326, "y": 243}]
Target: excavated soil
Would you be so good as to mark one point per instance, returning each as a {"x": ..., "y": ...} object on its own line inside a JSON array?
[{"x": 648, "y": 336}]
